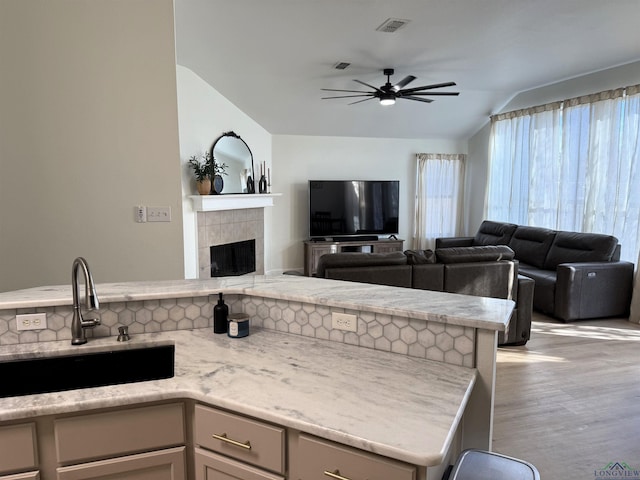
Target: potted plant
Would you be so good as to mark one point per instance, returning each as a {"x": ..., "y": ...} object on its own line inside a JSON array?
[{"x": 202, "y": 171}]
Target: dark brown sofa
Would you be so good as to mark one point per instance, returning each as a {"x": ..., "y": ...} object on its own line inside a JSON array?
[
  {"x": 577, "y": 275},
  {"x": 480, "y": 271}
]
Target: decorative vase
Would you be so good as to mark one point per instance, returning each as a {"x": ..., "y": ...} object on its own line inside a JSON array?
[
  {"x": 262, "y": 184},
  {"x": 218, "y": 184},
  {"x": 204, "y": 186}
]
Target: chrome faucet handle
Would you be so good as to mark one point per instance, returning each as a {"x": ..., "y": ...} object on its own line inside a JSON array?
[
  {"x": 90, "y": 319},
  {"x": 90, "y": 322},
  {"x": 123, "y": 334}
]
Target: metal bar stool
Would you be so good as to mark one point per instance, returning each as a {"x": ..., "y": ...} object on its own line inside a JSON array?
[{"x": 482, "y": 465}]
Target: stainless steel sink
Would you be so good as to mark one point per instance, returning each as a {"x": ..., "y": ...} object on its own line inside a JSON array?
[{"x": 83, "y": 370}]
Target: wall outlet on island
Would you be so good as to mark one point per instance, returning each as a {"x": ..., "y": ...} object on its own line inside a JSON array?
[
  {"x": 344, "y": 321},
  {"x": 31, "y": 321}
]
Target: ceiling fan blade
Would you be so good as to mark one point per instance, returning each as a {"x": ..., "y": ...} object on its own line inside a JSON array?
[
  {"x": 433, "y": 94},
  {"x": 360, "y": 101},
  {"x": 425, "y": 100},
  {"x": 367, "y": 85},
  {"x": 348, "y": 91},
  {"x": 428, "y": 87},
  {"x": 389, "y": 91},
  {"x": 349, "y": 96},
  {"x": 405, "y": 81}
]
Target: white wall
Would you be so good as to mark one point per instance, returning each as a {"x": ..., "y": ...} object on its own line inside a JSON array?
[
  {"x": 88, "y": 130},
  {"x": 478, "y": 157},
  {"x": 476, "y": 179},
  {"x": 203, "y": 115},
  {"x": 297, "y": 159}
]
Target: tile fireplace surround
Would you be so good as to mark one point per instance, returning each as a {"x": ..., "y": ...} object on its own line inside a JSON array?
[{"x": 226, "y": 226}]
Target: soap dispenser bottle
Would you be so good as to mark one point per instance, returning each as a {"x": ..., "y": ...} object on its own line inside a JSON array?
[{"x": 220, "y": 314}]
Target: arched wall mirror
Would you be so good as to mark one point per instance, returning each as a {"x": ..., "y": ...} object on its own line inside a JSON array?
[{"x": 231, "y": 150}]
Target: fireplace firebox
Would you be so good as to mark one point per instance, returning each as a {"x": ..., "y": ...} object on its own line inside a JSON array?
[{"x": 237, "y": 258}]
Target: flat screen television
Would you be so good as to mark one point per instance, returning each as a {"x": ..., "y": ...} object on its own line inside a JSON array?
[{"x": 342, "y": 208}]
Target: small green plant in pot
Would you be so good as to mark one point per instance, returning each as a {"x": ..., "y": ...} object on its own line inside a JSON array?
[{"x": 202, "y": 170}]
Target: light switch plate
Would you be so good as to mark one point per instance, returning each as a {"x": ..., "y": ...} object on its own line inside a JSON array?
[{"x": 158, "y": 214}]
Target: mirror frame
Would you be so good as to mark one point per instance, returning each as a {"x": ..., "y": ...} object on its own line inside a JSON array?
[{"x": 251, "y": 185}]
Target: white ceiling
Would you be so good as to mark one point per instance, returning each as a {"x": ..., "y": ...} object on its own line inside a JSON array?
[{"x": 271, "y": 57}]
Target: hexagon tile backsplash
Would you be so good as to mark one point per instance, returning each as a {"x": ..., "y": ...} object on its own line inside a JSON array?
[{"x": 416, "y": 338}]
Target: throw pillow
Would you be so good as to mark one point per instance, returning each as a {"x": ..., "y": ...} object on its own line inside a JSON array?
[{"x": 419, "y": 257}]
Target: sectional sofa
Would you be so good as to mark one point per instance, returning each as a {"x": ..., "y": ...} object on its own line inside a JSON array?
[
  {"x": 577, "y": 275},
  {"x": 487, "y": 271}
]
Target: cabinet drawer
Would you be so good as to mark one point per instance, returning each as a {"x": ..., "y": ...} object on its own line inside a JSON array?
[
  {"x": 121, "y": 432},
  {"x": 17, "y": 448},
  {"x": 322, "y": 460},
  {"x": 247, "y": 440},
  {"x": 211, "y": 466}
]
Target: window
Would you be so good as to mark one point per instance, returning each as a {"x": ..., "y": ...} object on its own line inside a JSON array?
[
  {"x": 572, "y": 165},
  {"x": 439, "y": 197}
]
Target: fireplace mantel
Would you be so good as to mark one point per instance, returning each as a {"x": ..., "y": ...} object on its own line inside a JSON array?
[{"x": 211, "y": 203}]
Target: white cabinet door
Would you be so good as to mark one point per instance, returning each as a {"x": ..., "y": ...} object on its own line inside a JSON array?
[
  {"x": 22, "y": 476},
  {"x": 169, "y": 464}
]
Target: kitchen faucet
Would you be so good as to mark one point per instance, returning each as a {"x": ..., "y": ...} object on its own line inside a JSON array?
[{"x": 79, "y": 323}]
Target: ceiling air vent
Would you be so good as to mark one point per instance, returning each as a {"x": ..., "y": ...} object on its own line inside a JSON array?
[
  {"x": 392, "y": 25},
  {"x": 341, "y": 65}
]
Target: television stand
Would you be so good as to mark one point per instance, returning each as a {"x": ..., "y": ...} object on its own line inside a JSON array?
[
  {"x": 356, "y": 238},
  {"x": 314, "y": 249}
]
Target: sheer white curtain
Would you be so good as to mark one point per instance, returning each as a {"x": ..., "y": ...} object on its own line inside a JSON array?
[
  {"x": 439, "y": 198},
  {"x": 524, "y": 164},
  {"x": 572, "y": 165}
]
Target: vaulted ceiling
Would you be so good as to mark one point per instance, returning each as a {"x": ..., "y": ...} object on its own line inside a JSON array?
[{"x": 271, "y": 58}]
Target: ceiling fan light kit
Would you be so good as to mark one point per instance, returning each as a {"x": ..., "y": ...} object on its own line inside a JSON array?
[
  {"x": 387, "y": 94},
  {"x": 387, "y": 99}
]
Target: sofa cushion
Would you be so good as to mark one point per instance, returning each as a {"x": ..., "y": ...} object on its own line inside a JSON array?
[
  {"x": 420, "y": 257},
  {"x": 358, "y": 259},
  {"x": 485, "y": 253},
  {"x": 391, "y": 275},
  {"x": 531, "y": 244},
  {"x": 569, "y": 247},
  {"x": 482, "y": 279},
  {"x": 544, "y": 296},
  {"x": 428, "y": 276},
  {"x": 494, "y": 233}
]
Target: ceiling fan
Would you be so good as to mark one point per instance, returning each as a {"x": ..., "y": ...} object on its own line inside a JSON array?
[{"x": 387, "y": 93}]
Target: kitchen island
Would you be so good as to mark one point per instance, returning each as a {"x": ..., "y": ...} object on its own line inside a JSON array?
[{"x": 417, "y": 410}]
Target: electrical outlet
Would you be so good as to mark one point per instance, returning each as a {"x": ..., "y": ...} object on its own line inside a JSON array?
[
  {"x": 158, "y": 214},
  {"x": 344, "y": 321},
  {"x": 31, "y": 321},
  {"x": 141, "y": 214}
]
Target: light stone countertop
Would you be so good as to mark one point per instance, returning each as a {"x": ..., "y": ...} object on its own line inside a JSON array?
[
  {"x": 464, "y": 310},
  {"x": 389, "y": 404}
]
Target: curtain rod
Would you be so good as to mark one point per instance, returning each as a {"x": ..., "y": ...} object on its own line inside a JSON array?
[{"x": 580, "y": 100}]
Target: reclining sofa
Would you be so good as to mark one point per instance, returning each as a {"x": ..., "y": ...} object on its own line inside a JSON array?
[
  {"x": 577, "y": 275},
  {"x": 487, "y": 271}
]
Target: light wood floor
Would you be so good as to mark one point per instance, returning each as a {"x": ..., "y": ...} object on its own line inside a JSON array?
[{"x": 569, "y": 400}]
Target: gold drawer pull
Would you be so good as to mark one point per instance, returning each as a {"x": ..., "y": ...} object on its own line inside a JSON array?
[
  {"x": 224, "y": 438},
  {"x": 335, "y": 475}
]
